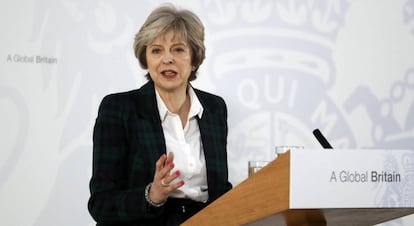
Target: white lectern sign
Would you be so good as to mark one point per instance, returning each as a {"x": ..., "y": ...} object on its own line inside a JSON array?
[{"x": 363, "y": 178}]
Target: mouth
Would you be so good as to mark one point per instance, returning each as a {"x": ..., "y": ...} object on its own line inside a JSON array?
[{"x": 169, "y": 73}]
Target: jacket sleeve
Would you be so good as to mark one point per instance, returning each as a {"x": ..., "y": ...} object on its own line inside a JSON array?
[{"x": 112, "y": 200}]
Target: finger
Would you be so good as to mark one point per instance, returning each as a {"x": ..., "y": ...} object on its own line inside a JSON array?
[
  {"x": 170, "y": 158},
  {"x": 168, "y": 166},
  {"x": 177, "y": 185},
  {"x": 159, "y": 165},
  {"x": 160, "y": 162},
  {"x": 166, "y": 171},
  {"x": 170, "y": 178},
  {"x": 172, "y": 187}
]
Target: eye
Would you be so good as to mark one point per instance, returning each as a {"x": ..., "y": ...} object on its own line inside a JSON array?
[
  {"x": 155, "y": 50},
  {"x": 179, "y": 50}
]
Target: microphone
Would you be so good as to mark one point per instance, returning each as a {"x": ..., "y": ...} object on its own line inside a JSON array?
[{"x": 321, "y": 139}]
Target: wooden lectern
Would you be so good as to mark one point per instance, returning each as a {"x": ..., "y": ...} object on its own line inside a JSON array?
[{"x": 263, "y": 199}]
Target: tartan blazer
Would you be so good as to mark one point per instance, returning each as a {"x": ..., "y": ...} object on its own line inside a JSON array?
[{"x": 127, "y": 141}]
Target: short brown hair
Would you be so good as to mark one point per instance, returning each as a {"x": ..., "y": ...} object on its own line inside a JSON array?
[{"x": 165, "y": 18}]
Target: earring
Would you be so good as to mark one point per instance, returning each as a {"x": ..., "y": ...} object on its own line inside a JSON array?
[{"x": 193, "y": 68}]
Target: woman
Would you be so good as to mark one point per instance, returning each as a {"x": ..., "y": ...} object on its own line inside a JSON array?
[{"x": 159, "y": 152}]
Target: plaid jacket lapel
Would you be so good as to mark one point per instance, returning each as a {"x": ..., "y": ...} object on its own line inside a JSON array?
[
  {"x": 213, "y": 129},
  {"x": 150, "y": 128}
]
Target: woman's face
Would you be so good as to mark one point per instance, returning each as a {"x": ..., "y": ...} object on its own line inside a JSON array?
[{"x": 169, "y": 62}]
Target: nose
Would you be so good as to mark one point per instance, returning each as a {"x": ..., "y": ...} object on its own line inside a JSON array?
[{"x": 168, "y": 58}]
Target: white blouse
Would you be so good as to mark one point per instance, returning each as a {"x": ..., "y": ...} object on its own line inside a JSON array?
[{"x": 187, "y": 147}]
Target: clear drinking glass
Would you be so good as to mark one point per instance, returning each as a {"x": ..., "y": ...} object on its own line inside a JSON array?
[
  {"x": 279, "y": 150},
  {"x": 255, "y": 166}
]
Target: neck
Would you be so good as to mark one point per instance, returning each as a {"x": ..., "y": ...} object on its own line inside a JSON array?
[{"x": 177, "y": 102}]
